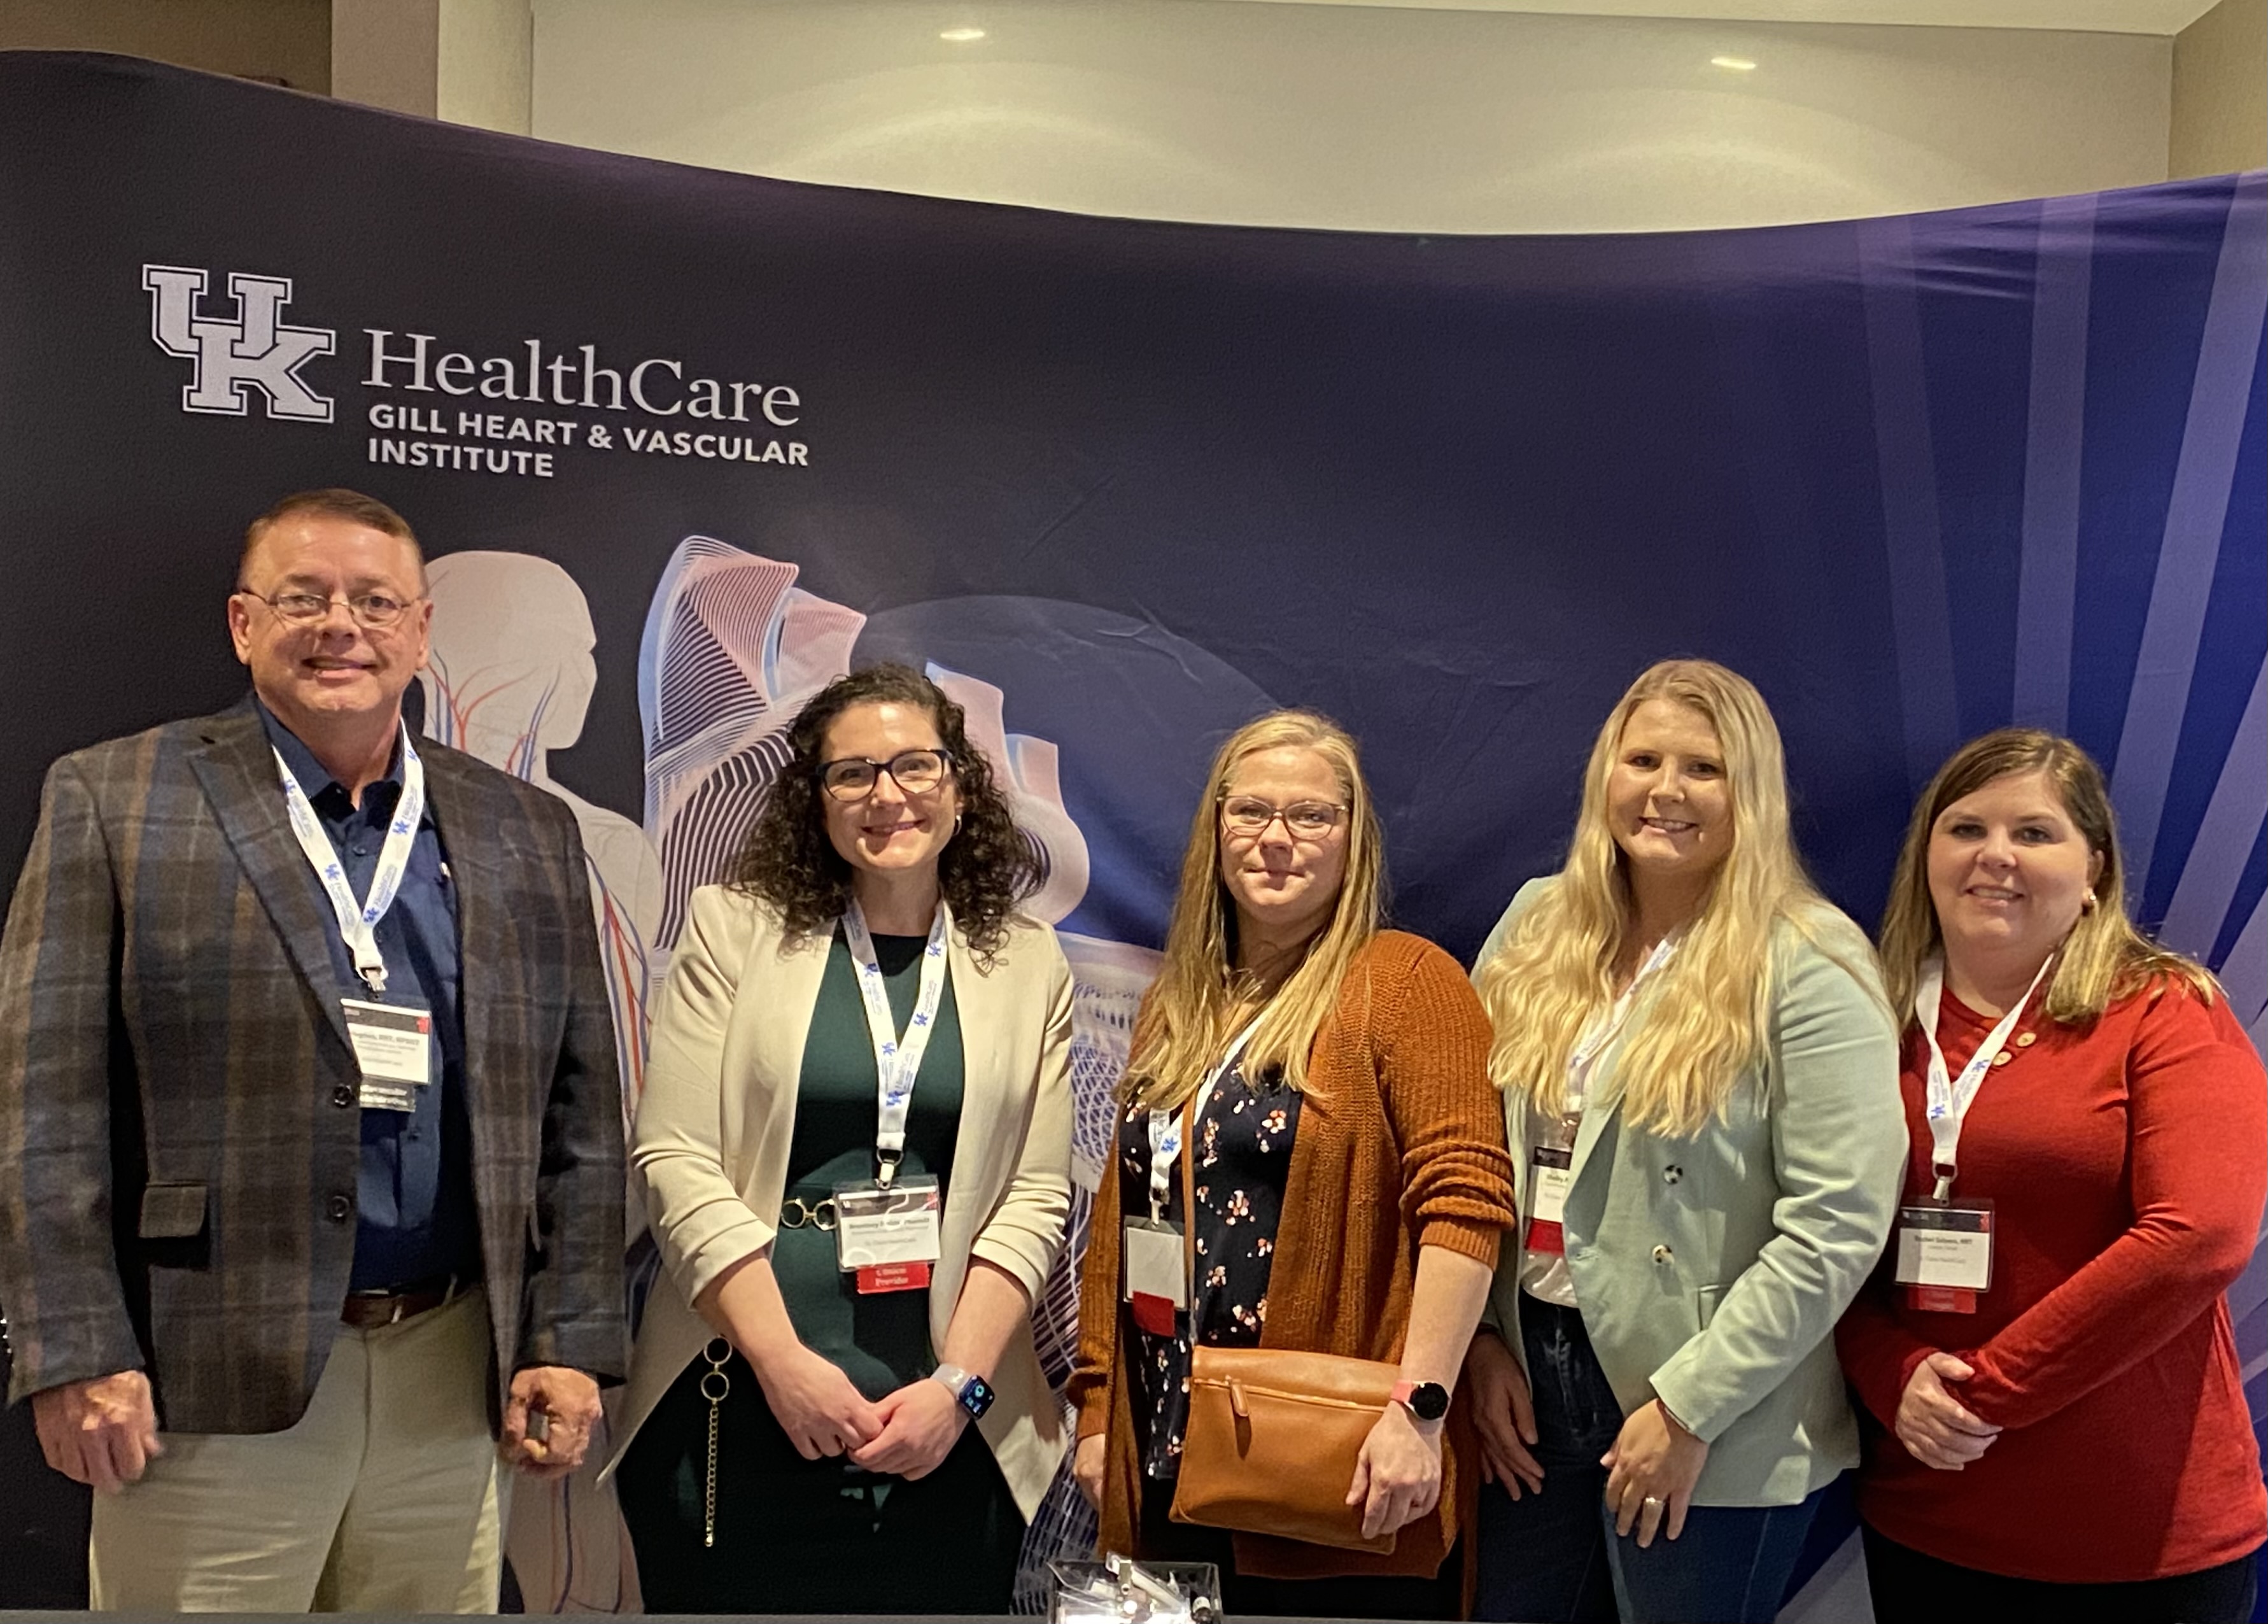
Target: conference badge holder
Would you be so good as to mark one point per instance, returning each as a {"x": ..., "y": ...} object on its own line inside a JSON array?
[
  {"x": 886, "y": 1234},
  {"x": 1156, "y": 1275},
  {"x": 393, "y": 1044},
  {"x": 1118, "y": 1590},
  {"x": 1945, "y": 1254},
  {"x": 1549, "y": 1176}
]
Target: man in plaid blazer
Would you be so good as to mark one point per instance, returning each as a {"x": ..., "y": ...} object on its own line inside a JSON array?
[{"x": 306, "y": 1217}]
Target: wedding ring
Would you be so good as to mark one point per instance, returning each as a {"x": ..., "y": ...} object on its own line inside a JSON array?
[{"x": 1651, "y": 1500}]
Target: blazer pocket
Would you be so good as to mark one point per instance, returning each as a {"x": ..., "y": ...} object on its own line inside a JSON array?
[
  {"x": 175, "y": 1212},
  {"x": 1704, "y": 1304}
]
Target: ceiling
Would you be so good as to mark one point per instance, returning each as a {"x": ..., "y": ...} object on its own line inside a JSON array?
[{"x": 2154, "y": 16}]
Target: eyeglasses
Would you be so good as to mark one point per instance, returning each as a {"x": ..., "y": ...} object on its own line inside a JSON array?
[
  {"x": 1249, "y": 816},
  {"x": 915, "y": 772},
  {"x": 374, "y": 611}
]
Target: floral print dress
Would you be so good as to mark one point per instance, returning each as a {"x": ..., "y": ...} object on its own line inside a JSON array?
[{"x": 1243, "y": 1155}]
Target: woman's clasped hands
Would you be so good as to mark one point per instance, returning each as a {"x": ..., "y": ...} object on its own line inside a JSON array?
[
  {"x": 815, "y": 1403},
  {"x": 1936, "y": 1427}
]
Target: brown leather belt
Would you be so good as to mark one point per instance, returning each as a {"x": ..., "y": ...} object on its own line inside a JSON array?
[{"x": 367, "y": 1311}]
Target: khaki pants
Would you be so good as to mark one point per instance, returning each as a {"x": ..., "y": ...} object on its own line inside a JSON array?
[{"x": 384, "y": 1498}]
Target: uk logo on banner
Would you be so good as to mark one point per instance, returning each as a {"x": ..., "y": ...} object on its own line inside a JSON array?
[{"x": 228, "y": 359}]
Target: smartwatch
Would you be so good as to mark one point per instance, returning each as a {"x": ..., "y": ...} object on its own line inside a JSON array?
[
  {"x": 1428, "y": 1402},
  {"x": 972, "y": 1393}
]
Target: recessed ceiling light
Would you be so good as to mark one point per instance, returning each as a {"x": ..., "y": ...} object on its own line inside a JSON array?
[
  {"x": 1738, "y": 64},
  {"x": 962, "y": 36}
]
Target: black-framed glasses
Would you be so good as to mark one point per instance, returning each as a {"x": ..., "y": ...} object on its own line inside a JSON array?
[
  {"x": 1249, "y": 816},
  {"x": 374, "y": 611},
  {"x": 915, "y": 772}
]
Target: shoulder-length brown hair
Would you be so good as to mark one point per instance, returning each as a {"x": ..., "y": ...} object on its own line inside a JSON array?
[
  {"x": 1199, "y": 1001},
  {"x": 2105, "y": 957},
  {"x": 986, "y": 869}
]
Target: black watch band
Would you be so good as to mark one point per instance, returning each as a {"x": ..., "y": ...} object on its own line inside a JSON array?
[{"x": 1428, "y": 1402}]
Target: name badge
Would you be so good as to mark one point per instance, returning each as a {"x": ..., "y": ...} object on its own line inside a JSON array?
[
  {"x": 887, "y": 1233},
  {"x": 393, "y": 1044},
  {"x": 1156, "y": 1274},
  {"x": 1945, "y": 1255},
  {"x": 1549, "y": 1174}
]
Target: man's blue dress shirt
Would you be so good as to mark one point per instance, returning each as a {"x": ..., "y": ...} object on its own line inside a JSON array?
[{"x": 416, "y": 1219}]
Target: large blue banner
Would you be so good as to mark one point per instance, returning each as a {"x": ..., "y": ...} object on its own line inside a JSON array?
[{"x": 685, "y": 445}]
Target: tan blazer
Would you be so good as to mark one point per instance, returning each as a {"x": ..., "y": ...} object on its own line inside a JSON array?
[{"x": 718, "y": 1117}]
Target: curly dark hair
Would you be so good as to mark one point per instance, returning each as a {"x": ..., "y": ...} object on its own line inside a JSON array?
[{"x": 986, "y": 869}]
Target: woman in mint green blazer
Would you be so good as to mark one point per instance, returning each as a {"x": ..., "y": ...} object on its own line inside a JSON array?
[{"x": 1700, "y": 1081}]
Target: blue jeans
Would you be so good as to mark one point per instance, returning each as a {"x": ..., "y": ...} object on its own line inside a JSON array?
[{"x": 1553, "y": 1556}]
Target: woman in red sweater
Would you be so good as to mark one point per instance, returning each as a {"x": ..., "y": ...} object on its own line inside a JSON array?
[{"x": 2063, "y": 1430}]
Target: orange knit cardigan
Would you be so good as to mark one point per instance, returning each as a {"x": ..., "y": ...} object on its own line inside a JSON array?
[{"x": 1400, "y": 1145}]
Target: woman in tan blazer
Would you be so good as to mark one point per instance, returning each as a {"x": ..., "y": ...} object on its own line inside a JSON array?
[{"x": 802, "y": 1435}]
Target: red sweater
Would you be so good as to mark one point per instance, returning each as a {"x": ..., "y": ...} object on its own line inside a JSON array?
[{"x": 2127, "y": 1163}]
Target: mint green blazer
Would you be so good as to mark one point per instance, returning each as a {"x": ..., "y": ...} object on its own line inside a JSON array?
[{"x": 1710, "y": 1270}]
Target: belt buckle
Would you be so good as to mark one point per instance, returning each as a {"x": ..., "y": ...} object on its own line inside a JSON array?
[{"x": 397, "y": 1300}]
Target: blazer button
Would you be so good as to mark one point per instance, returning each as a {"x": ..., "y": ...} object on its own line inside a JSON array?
[
  {"x": 343, "y": 1097},
  {"x": 338, "y": 1209},
  {"x": 1671, "y": 1174},
  {"x": 1662, "y": 1254}
]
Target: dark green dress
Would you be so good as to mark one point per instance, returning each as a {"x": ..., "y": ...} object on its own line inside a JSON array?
[{"x": 825, "y": 1536}]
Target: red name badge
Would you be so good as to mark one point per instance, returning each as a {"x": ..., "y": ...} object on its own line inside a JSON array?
[
  {"x": 1944, "y": 1255},
  {"x": 1941, "y": 1300},
  {"x": 1155, "y": 1265},
  {"x": 892, "y": 1277},
  {"x": 1549, "y": 1174}
]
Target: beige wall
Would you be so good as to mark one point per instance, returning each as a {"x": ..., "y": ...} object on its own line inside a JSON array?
[
  {"x": 1357, "y": 117},
  {"x": 386, "y": 52},
  {"x": 488, "y": 62},
  {"x": 2221, "y": 92},
  {"x": 285, "y": 40},
  {"x": 466, "y": 61}
]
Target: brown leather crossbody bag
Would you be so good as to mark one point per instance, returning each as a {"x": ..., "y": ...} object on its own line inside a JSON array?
[
  {"x": 1274, "y": 1433},
  {"x": 1272, "y": 1440}
]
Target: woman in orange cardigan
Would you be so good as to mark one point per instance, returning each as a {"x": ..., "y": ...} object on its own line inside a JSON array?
[{"x": 1329, "y": 1079}]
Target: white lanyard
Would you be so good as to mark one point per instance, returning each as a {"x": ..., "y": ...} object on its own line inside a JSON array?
[
  {"x": 1949, "y": 1099},
  {"x": 358, "y": 920},
  {"x": 1166, "y": 1125},
  {"x": 1587, "y": 1046},
  {"x": 1602, "y": 1033},
  {"x": 897, "y": 1060}
]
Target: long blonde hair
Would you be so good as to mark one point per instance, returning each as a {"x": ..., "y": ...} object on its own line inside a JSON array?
[
  {"x": 1712, "y": 1010},
  {"x": 2105, "y": 956},
  {"x": 1199, "y": 1001}
]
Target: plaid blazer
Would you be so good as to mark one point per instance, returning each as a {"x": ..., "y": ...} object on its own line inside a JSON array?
[{"x": 178, "y": 1141}]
